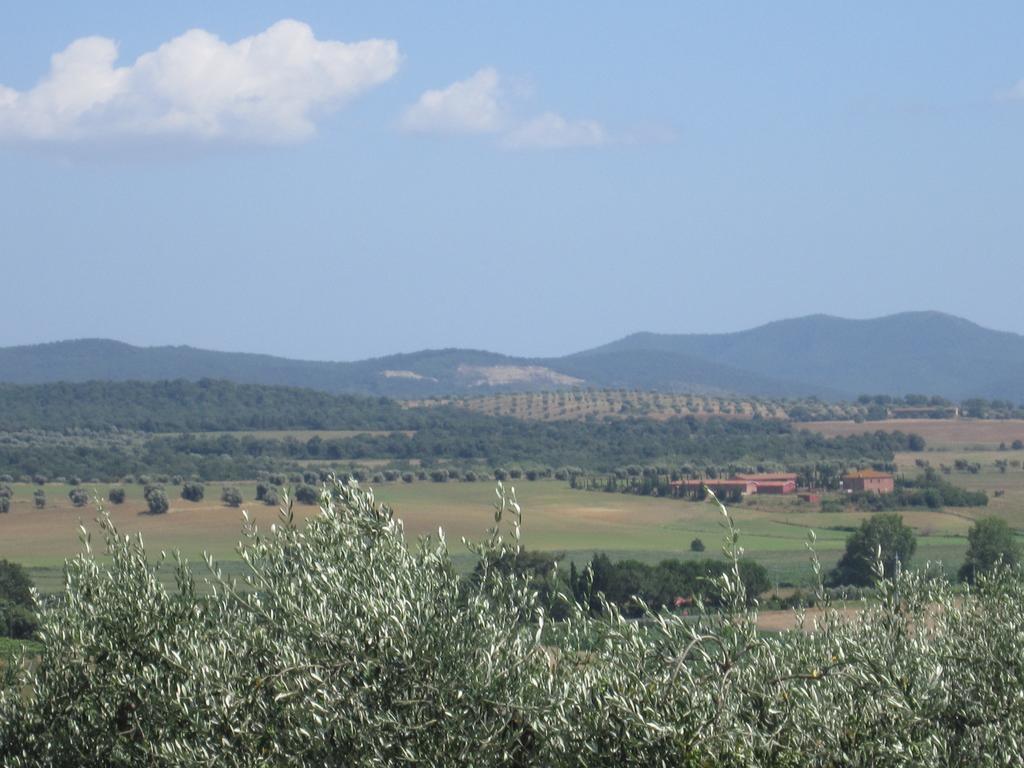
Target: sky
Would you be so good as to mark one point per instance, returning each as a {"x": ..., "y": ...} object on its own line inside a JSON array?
[{"x": 341, "y": 181}]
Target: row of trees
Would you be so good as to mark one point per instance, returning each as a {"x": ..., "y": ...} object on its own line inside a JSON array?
[{"x": 479, "y": 440}]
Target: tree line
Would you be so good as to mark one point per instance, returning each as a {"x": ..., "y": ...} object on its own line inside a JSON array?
[{"x": 481, "y": 441}]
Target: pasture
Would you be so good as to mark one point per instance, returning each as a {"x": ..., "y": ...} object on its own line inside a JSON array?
[{"x": 556, "y": 518}]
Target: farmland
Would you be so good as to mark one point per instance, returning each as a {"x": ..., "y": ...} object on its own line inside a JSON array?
[
  {"x": 556, "y": 519},
  {"x": 940, "y": 434}
]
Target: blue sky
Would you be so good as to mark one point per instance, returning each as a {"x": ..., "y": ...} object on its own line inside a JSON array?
[{"x": 530, "y": 178}]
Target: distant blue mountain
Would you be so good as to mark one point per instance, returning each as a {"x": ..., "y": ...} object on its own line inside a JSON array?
[{"x": 830, "y": 357}]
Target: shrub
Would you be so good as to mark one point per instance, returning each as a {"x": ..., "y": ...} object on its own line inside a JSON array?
[
  {"x": 192, "y": 491},
  {"x": 231, "y": 496},
  {"x": 408, "y": 477},
  {"x": 116, "y": 495},
  {"x": 5, "y": 505},
  {"x": 271, "y": 498},
  {"x": 79, "y": 496},
  {"x": 307, "y": 494},
  {"x": 157, "y": 501},
  {"x": 39, "y": 498},
  {"x": 696, "y": 545},
  {"x": 261, "y": 490},
  {"x": 39, "y": 479}
]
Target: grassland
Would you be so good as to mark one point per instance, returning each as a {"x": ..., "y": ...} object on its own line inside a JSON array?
[{"x": 556, "y": 519}]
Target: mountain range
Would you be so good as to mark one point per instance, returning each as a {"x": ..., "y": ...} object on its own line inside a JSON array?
[{"x": 829, "y": 357}]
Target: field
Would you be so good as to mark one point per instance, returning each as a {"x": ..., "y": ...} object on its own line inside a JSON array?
[
  {"x": 556, "y": 518},
  {"x": 939, "y": 434},
  {"x": 559, "y": 519}
]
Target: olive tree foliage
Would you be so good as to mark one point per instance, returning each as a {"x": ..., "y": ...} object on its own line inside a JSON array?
[{"x": 345, "y": 646}]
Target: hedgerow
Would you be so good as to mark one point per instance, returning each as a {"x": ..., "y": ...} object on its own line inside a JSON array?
[{"x": 344, "y": 645}]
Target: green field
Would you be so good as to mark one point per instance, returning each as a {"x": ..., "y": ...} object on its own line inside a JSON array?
[{"x": 556, "y": 518}]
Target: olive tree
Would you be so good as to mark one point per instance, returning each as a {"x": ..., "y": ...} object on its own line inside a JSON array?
[
  {"x": 78, "y": 496},
  {"x": 989, "y": 541},
  {"x": 881, "y": 537},
  {"x": 231, "y": 496},
  {"x": 191, "y": 491},
  {"x": 157, "y": 502}
]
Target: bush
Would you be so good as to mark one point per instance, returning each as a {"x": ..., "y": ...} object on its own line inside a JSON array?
[
  {"x": 79, "y": 496},
  {"x": 345, "y": 644},
  {"x": 157, "y": 501},
  {"x": 231, "y": 496},
  {"x": 192, "y": 491},
  {"x": 261, "y": 490},
  {"x": 408, "y": 477},
  {"x": 39, "y": 498},
  {"x": 307, "y": 494},
  {"x": 271, "y": 497},
  {"x": 116, "y": 495},
  {"x": 696, "y": 545},
  {"x": 5, "y": 505}
]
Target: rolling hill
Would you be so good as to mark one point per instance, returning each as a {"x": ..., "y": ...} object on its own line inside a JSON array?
[{"x": 830, "y": 357}]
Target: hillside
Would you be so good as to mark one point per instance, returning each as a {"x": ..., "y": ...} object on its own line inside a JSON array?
[
  {"x": 909, "y": 352},
  {"x": 819, "y": 355}
]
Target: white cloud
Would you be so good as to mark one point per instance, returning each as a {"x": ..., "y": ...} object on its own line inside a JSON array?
[
  {"x": 474, "y": 105},
  {"x": 552, "y": 131},
  {"x": 1014, "y": 93},
  {"x": 480, "y": 105},
  {"x": 265, "y": 88}
]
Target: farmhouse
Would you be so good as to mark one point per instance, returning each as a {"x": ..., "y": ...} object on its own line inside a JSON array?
[
  {"x": 718, "y": 487},
  {"x": 868, "y": 480},
  {"x": 774, "y": 483},
  {"x": 774, "y": 487}
]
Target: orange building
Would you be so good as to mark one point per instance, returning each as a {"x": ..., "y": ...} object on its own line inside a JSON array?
[{"x": 869, "y": 480}]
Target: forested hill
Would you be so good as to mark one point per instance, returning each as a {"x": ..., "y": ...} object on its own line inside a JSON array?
[
  {"x": 899, "y": 354},
  {"x": 206, "y": 405},
  {"x": 828, "y": 357}
]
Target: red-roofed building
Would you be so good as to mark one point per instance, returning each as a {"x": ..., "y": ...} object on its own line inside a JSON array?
[
  {"x": 775, "y": 487},
  {"x": 869, "y": 480}
]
